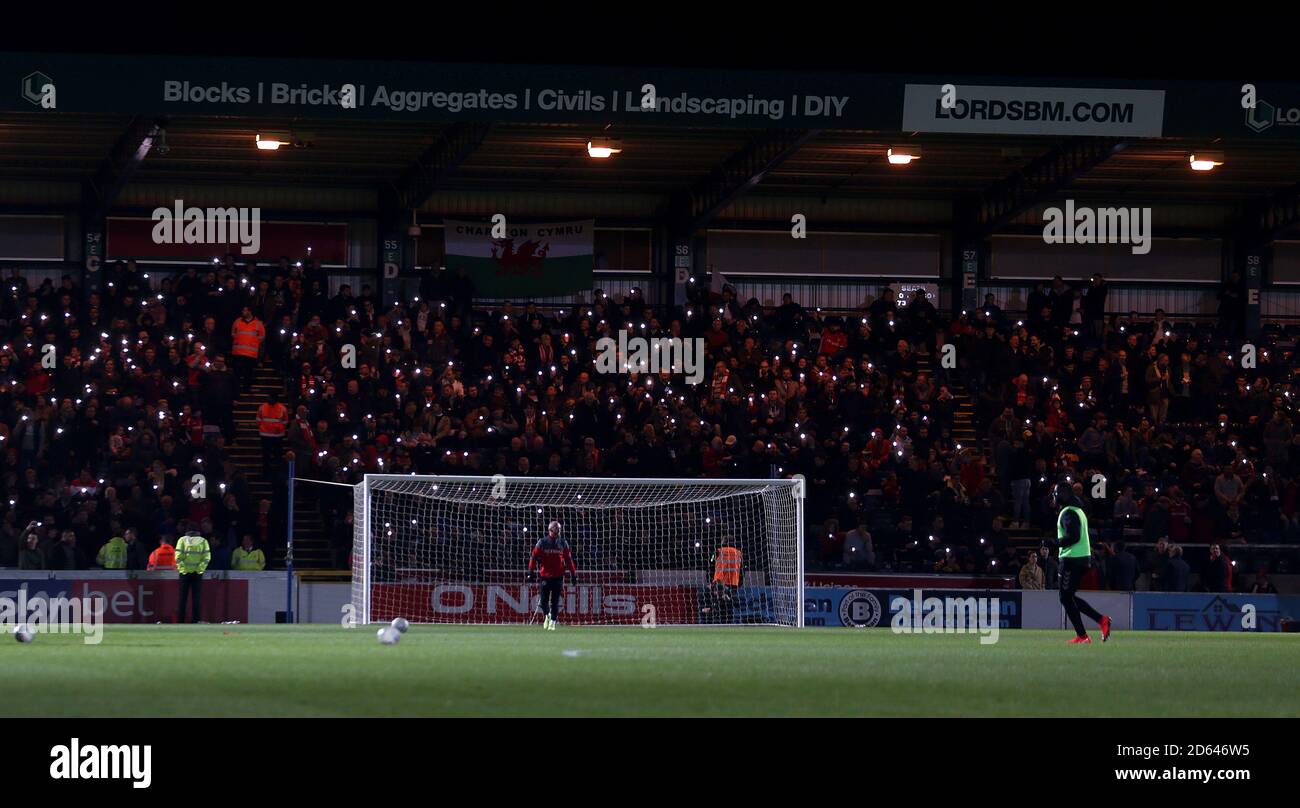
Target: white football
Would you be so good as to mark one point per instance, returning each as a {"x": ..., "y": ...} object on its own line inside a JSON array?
[
  {"x": 389, "y": 635},
  {"x": 401, "y": 624},
  {"x": 23, "y": 634}
]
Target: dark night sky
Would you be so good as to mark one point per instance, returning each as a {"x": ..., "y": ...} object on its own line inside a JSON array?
[{"x": 1000, "y": 41}]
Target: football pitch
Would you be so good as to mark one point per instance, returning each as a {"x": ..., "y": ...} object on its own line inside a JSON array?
[{"x": 220, "y": 670}]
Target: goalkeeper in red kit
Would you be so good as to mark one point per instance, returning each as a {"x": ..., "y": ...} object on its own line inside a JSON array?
[{"x": 551, "y": 559}]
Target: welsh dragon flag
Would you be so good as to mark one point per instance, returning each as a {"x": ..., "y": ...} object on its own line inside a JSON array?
[{"x": 532, "y": 260}]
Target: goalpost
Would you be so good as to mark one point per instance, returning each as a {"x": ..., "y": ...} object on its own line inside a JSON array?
[{"x": 454, "y": 549}]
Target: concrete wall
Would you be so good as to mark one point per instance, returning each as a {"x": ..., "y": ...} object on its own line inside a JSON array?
[
  {"x": 1042, "y": 608},
  {"x": 322, "y": 602}
]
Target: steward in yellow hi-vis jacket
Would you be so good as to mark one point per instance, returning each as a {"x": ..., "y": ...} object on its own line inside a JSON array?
[
  {"x": 192, "y": 557},
  {"x": 248, "y": 558},
  {"x": 112, "y": 556}
]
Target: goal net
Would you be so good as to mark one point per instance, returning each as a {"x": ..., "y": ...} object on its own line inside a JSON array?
[{"x": 438, "y": 549}]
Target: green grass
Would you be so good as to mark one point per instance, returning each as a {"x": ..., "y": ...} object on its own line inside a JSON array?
[{"x": 503, "y": 671}]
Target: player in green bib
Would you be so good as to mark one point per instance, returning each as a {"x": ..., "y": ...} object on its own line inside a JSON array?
[{"x": 1076, "y": 557}]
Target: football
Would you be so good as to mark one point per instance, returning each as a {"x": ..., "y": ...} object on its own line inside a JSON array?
[
  {"x": 23, "y": 634},
  {"x": 389, "y": 635},
  {"x": 401, "y": 624}
]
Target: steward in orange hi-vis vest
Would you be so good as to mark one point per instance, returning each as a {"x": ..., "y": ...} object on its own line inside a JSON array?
[
  {"x": 246, "y": 337},
  {"x": 271, "y": 419},
  {"x": 726, "y": 566},
  {"x": 163, "y": 558}
]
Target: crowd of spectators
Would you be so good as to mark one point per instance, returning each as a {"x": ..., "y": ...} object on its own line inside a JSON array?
[
  {"x": 1192, "y": 446},
  {"x": 117, "y": 415},
  {"x": 1173, "y": 434}
]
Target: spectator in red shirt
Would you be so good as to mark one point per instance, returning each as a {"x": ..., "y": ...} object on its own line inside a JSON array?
[
  {"x": 716, "y": 337},
  {"x": 972, "y": 473},
  {"x": 834, "y": 341}
]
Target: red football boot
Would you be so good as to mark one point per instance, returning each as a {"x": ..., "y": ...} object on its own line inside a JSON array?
[
  {"x": 1084, "y": 640},
  {"x": 1105, "y": 628}
]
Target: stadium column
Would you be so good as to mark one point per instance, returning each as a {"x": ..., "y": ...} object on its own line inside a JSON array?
[
  {"x": 686, "y": 252},
  {"x": 99, "y": 194},
  {"x": 686, "y": 247},
  {"x": 967, "y": 254},
  {"x": 1249, "y": 253},
  {"x": 680, "y": 271},
  {"x": 1252, "y": 273},
  {"x": 89, "y": 238},
  {"x": 396, "y": 252}
]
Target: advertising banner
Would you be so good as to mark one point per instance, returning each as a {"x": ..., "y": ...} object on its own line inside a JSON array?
[
  {"x": 1035, "y": 111},
  {"x": 303, "y": 89},
  {"x": 869, "y": 608},
  {"x": 366, "y": 90},
  {"x": 1208, "y": 611},
  {"x": 515, "y": 603},
  {"x": 137, "y": 600}
]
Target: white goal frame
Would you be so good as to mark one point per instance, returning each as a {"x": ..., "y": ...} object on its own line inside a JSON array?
[{"x": 363, "y": 580}]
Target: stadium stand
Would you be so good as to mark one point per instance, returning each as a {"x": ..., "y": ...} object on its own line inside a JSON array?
[{"x": 912, "y": 466}]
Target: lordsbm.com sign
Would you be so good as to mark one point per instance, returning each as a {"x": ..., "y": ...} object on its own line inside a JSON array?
[{"x": 1034, "y": 111}]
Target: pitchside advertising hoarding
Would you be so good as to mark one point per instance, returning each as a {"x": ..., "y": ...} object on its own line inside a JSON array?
[
  {"x": 674, "y": 604},
  {"x": 613, "y": 603},
  {"x": 871, "y": 608},
  {"x": 302, "y": 88},
  {"x": 1179, "y": 611},
  {"x": 825, "y": 606},
  {"x": 136, "y": 600},
  {"x": 257, "y": 597}
]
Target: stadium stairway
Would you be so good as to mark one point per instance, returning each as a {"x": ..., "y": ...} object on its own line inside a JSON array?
[
  {"x": 963, "y": 432},
  {"x": 311, "y": 544},
  {"x": 963, "y": 419}
]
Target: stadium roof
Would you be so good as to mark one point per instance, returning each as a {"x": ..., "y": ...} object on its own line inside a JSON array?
[
  {"x": 657, "y": 160},
  {"x": 405, "y": 158}
]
